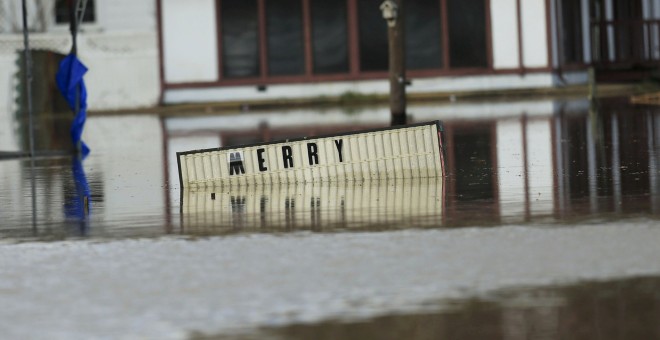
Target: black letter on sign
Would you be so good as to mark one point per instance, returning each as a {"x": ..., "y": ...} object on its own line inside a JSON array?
[
  {"x": 235, "y": 163},
  {"x": 261, "y": 160},
  {"x": 287, "y": 157},
  {"x": 312, "y": 150},
  {"x": 338, "y": 144}
]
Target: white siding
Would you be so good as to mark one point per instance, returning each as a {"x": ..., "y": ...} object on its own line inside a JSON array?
[
  {"x": 504, "y": 34},
  {"x": 534, "y": 33},
  {"x": 119, "y": 15},
  {"x": 189, "y": 40}
]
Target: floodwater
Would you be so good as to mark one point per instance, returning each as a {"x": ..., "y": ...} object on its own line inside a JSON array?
[{"x": 546, "y": 226}]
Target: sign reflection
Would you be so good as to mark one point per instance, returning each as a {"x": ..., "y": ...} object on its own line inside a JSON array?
[{"x": 314, "y": 206}]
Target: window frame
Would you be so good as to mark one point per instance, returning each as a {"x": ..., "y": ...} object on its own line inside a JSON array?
[
  {"x": 354, "y": 70},
  {"x": 88, "y": 26}
]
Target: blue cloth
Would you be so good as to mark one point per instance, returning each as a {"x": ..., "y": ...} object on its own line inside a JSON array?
[{"x": 68, "y": 78}]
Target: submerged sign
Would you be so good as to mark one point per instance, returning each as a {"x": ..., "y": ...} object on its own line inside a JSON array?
[{"x": 410, "y": 151}]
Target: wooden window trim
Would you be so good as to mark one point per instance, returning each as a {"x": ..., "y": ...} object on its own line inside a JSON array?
[{"x": 354, "y": 73}]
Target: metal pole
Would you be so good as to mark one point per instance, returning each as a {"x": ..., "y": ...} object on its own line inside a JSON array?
[
  {"x": 28, "y": 85},
  {"x": 397, "y": 62},
  {"x": 28, "y": 76},
  {"x": 73, "y": 27}
]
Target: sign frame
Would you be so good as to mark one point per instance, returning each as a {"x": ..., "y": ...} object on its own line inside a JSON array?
[{"x": 239, "y": 148}]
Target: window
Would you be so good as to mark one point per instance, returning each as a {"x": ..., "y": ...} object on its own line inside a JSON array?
[
  {"x": 329, "y": 36},
  {"x": 423, "y": 39},
  {"x": 286, "y": 54},
  {"x": 240, "y": 39},
  {"x": 62, "y": 11},
  {"x": 571, "y": 19},
  {"x": 268, "y": 38},
  {"x": 373, "y": 36},
  {"x": 467, "y": 33}
]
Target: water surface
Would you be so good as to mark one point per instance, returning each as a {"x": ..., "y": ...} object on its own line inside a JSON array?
[{"x": 546, "y": 225}]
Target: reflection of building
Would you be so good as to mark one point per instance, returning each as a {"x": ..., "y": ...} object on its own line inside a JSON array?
[
  {"x": 506, "y": 162},
  {"x": 229, "y": 50}
]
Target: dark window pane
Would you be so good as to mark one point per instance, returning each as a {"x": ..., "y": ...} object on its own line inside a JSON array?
[
  {"x": 329, "y": 36},
  {"x": 373, "y": 36},
  {"x": 240, "y": 44},
  {"x": 423, "y": 42},
  {"x": 467, "y": 33},
  {"x": 571, "y": 16},
  {"x": 285, "y": 37},
  {"x": 62, "y": 11}
]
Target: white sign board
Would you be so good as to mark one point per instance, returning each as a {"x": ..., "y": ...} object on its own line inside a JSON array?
[{"x": 410, "y": 151}]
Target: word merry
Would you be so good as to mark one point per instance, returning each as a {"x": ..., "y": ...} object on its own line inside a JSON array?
[{"x": 236, "y": 158}]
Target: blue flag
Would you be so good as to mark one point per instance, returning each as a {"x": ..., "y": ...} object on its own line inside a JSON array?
[{"x": 68, "y": 78}]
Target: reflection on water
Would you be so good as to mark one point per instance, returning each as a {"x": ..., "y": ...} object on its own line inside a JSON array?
[
  {"x": 522, "y": 162},
  {"x": 318, "y": 206},
  {"x": 622, "y": 309}
]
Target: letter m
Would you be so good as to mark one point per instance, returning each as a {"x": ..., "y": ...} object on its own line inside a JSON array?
[{"x": 236, "y": 163}]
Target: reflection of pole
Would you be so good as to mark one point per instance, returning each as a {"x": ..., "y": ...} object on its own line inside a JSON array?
[
  {"x": 28, "y": 85},
  {"x": 559, "y": 155},
  {"x": 592, "y": 84},
  {"x": 393, "y": 14},
  {"x": 592, "y": 163},
  {"x": 653, "y": 166},
  {"x": 616, "y": 163}
]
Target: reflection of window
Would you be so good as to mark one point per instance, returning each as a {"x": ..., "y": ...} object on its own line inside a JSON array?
[
  {"x": 467, "y": 33},
  {"x": 286, "y": 55},
  {"x": 329, "y": 36},
  {"x": 240, "y": 44},
  {"x": 62, "y": 11},
  {"x": 473, "y": 163}
]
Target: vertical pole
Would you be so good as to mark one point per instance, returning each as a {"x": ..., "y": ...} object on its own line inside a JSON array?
[
  {"x": 397, "y": 64},
  {"x": 28, "y": 77},
  {"x": 73, "y": 27},
  {"x": 73, "y": 22},
  {"x": 28, "y": 85}
]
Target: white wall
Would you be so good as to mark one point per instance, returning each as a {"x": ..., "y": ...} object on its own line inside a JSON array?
[
  {"x": 190, "y": 46},
  {"x": 534, "y": 33},
  {"x": 504, "y": 28},
  {"x": 126, "y": 15}
]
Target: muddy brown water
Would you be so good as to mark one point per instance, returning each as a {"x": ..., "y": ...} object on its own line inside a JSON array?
[{"x": 537, "y": 163}]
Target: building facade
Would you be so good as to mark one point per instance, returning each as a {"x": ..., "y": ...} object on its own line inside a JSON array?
[
  {"x": 228, "y": 50},
  {"x": 118, "y": 42},
  {"x": 145, "y": 53}
]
